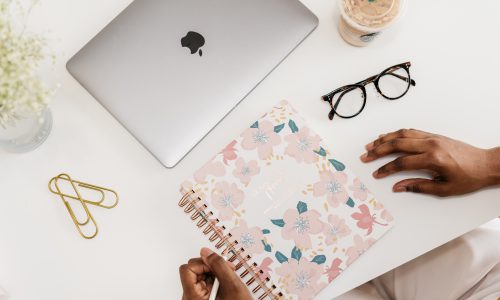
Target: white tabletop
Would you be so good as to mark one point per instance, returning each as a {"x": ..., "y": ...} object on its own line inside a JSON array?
[{"x": 454, "y": 50}]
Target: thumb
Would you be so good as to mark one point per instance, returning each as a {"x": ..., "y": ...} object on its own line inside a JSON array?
[{"x": 219, "y": 266}]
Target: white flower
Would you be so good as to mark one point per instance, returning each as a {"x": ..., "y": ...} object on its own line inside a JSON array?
[{"x": 21, "y": 89}]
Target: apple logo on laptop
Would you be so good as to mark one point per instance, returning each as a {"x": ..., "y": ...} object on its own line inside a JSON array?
[{"x": 194, "y": 41}]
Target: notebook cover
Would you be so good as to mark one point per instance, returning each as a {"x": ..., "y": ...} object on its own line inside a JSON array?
[{"x": 295, "y": 208}]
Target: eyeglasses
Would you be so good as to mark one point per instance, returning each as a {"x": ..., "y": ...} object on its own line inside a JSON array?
[{"x": 350, "y": 100}]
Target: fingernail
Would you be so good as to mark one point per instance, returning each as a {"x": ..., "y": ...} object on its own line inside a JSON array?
[
  {"x": 399, "y": 189},
  {"x": 369, "y": 146},
  {"x": 205, "y": 252},
  {"x": 364, "y": 157},
  {"x": 375, "y": 174}
]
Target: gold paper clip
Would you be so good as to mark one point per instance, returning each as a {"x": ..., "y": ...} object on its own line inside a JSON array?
[{"x": 54, "y": 188}]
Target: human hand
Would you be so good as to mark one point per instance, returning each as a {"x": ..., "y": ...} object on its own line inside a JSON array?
[
  {"x": 456, "y": 167},
  {"x": 197, "y": 278}
]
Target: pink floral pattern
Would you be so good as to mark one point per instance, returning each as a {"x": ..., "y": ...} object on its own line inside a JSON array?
[
  {"x": 335, "y": 229},
  {"x": 225, "y": 198},
  {"x": 248, "y": 238},
  {"x": 264, "y": 267},
  {"x": 385, "y": 214},
  {"x": 214, "y": 168},
  {"x": 359, "y": 190},
  {"x": 334, "y": 270},
  {"x": 359, "y": 247},
  {"x": 229, "y": 153},
  {"x": 332, "y": 185},
  {"x": 300, "y": 227},
  {"x": 301, "y": 278},
  {"x": 301, "y": 146},
  {"x": 276, "y": 162},
  {"x": 365, "y": 219},
  {"x": 262, "y": 138},
  {"x": 244, "y": 171}
]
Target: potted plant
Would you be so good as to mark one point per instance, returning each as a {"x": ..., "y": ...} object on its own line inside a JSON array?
[{"x": 25, "y": 120}]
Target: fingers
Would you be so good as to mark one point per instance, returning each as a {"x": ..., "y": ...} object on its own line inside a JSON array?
[
  {"x": 403, "y": 163},
  {"x": 396, "y": 145},
  {"x": 220, "y": 268},
  {"x": 425, "y": 186},
  {"x": 402, "y": 133},
  {"x": 190, "y": 273}
]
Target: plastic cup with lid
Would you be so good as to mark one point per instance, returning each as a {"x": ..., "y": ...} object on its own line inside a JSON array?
[{"x": 362, "y": 20}]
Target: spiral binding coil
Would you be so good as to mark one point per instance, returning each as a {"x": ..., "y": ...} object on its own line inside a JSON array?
[{"x": 232, "y": 249}]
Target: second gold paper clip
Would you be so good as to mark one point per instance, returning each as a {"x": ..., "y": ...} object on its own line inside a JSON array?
[{"x": 89, "y": 220}]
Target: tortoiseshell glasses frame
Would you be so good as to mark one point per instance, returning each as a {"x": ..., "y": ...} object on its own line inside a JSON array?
[{"x": 403, "y": 68}]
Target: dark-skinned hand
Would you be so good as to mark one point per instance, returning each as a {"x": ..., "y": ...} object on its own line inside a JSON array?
[
  {"x": 197, "y": 278},
  {"x": 456, "y": 168}
]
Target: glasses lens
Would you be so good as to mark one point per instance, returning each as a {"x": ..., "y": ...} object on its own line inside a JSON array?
[
  {"x": 350, "y": 102},
  {"x": 394, "y": 83}
]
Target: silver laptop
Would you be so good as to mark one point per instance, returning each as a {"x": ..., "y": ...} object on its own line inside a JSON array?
[{"x": 170, "y": 70}]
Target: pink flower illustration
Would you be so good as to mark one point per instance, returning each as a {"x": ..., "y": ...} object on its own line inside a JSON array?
[
  {"x": 225, "y": 198},
  {"x": 264, "y": 267},
  {"x": 215, "y": 168},
  {"x": 244, "y": 171},
  {"x": 262, "y": 138},
  {"x": 301, "y": 146},
  {"x": 334, "y": 270},
  {"x": 229, "y": 153},
  {"x": 359, "y": 247},
  {"x": 332, "y": 185},
  {"x": 335, "y": 229},
  {"x": 385, "y": 214},
  {"x": 299, "y": 227},
  {"x": 365, "y": 219},
  {"x": 359, "y": 189},
  {"x": 301, "y": 278},
  {"x": 248, "y": 238}
]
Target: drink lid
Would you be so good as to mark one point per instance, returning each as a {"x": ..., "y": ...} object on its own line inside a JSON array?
[{"x": 371, "y": 13}]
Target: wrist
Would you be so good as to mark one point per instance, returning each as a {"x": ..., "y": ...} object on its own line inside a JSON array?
[{"x": 493, "y": 166}]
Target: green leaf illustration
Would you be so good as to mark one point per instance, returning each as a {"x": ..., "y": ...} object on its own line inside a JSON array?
[
  {"x": 266, "y": 231},
  {"x": 337, "y": 165},
  {"x": 278, "y": 128},
  {"x": 281, "y": 257},
  {"x": 293, "y": 126},
  {"x": 255, "y": 125},
  {"x": 321, "y": 151},
  {"x": 296, "y": 253},
  {"x": 301, "y": 207},
  {"x": 319, "y": 259},
  {"x": 278, "y": 222},
  {"x": 350, "y": 202},
  {"x": 267, "y": 247}
]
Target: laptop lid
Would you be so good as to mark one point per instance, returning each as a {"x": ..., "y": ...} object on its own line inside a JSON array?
[{"x": 170, "y": 70}]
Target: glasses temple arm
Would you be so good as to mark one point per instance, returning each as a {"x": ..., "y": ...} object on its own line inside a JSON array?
[{"x": 412, "y": 82}]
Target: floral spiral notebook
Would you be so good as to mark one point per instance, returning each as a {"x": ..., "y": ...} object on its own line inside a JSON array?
[{"x": 299, "y": 214}]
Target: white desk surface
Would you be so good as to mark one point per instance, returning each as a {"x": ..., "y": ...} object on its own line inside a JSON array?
[{"x": 454, "y": 49}]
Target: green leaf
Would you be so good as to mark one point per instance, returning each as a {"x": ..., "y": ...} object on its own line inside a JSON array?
[
  {"x": 319, "y": 259},
  {"x": 296, "y": 254},
  {"x": 278, "y": 128},
  {"x": 281, "y": 257},
  {"x": 266, "y": 231},
  {"x": 267, "y": 247},
  {"x": 293, "y": 126},
  {"x": 278, "y": 222},
  {"x": 350, "y": 202},
  {"x": 337, "y": 165},
  {"x": 321, "y": 151},
  {"x": 255, "y": 125},
  {"x": 301, "y": 207}
]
